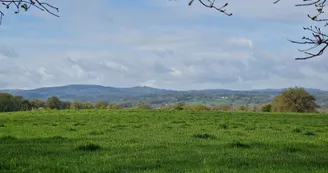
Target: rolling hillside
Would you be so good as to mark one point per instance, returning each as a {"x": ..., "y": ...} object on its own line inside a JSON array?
[{"x": 92, "y": 93}]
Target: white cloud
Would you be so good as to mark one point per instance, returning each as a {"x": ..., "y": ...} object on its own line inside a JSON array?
[
  {"x": 167, "y": 45},
  {"x": 241, "y": 42}
]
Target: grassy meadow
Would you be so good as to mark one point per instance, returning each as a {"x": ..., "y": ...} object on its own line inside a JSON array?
[{"x": 101, "y": 141}]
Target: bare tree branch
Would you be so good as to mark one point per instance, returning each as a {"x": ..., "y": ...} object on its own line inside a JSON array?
[
  {"x": 318, "y": 38},
  {"x": 211, "y": 4},
  {"x": 26, "y": 5}
]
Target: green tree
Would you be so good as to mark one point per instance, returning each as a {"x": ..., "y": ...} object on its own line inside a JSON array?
[
  {"x": 6, "y": 102},
  {"x": 36, "y": 103},
  {"x": 113, "y": 106},
  {"x": 242, "y": 108},
  {"x": 53, "y": 103},
  {"x": 256, "y": 108},
  {"x": 101, "y": 105},
  {"x": 294, "y": 100},
  {"x": 10, "y": 103},
  {"x": 65, "y": 105},
  {"x": 25, "y": 105},
  {"x": 179, "y": 106},
  {"x": 267, "y": 107},
  {"x": 77, "y": 105},
  {"x": 88, "y": 106},
  {"x": 17, "y": 102}
]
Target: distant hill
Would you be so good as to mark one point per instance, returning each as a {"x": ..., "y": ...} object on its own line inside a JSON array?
[
  {"x": 86, "y": 92},
  {"x": 92, "y": 93}
]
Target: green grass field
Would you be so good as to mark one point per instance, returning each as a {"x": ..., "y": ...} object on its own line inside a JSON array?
[{"x": 162, "y": 141}]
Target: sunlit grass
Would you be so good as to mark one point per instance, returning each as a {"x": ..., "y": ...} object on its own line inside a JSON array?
[{"x": 162, "y": 141}]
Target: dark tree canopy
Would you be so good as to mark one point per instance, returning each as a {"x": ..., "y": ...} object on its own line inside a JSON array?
[
  {"x": 294, "y": 100},
  {"x": 317, "y": 41},
  {"x": 53, "y": 103},
  {"x": 9, "y": 103}
]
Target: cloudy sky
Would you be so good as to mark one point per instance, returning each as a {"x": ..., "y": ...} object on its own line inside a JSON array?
[{"x": 158, "y": 43}]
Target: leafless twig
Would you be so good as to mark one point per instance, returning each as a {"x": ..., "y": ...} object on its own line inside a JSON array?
[
  {"x": 319, "y": 39},
  {"x": 26, "y": 5},
  {"x": 211, "y": 4}
]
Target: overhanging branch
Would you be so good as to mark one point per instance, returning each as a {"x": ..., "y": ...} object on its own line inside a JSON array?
[
  {"x": 26, "y": 5},
  {"x": 211, "y": 4}
]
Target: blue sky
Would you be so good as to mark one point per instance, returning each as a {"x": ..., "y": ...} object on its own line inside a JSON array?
[{"x": 158, "y": 43}]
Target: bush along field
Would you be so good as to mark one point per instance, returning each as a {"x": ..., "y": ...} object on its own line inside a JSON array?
[{"x": 162, "y": 141}]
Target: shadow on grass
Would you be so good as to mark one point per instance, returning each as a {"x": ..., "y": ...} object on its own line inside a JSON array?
[
  {"x": 204, "y": 136},
  {"x": 13, "y": 140},
  {"x": 167, "y": 157},
  {"x": 89, "y": 146}
]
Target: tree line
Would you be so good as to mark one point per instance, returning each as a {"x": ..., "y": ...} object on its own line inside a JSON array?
[{"x": 290, "y": 100}]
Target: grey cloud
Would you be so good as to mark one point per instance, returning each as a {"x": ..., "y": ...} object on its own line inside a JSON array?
[
  {"x": 13, "y": 75},
  {"x": 160, "y": 68},
  {"x": 3, "y": 83},
  {"x": 7, "y": 51},
  {"x": 166, "y": 51}
]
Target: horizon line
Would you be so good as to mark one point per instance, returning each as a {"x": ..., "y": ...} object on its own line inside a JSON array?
[{"x": 145, "y": 86}]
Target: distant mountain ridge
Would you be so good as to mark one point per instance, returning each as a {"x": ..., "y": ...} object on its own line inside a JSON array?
[
  {"x": 92, "y": 93},
  {"x": 75, "y": 92}
]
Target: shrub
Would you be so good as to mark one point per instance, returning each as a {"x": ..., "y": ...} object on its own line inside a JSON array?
[
  {"x": 242, "y": 108},
  {"x": 88, "y": 106},
  {"x": 113, "y": 106},
  {"x": 223, "y": 107},
  {"x": 179, "y": 106},
  {"x": 199, "y": 108},
  {"x": 143, "y": 106},
  {"x": 267, "y": 107},
  {"x": 101, "y": 105},
  {"x": 77, "y": 105}
]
